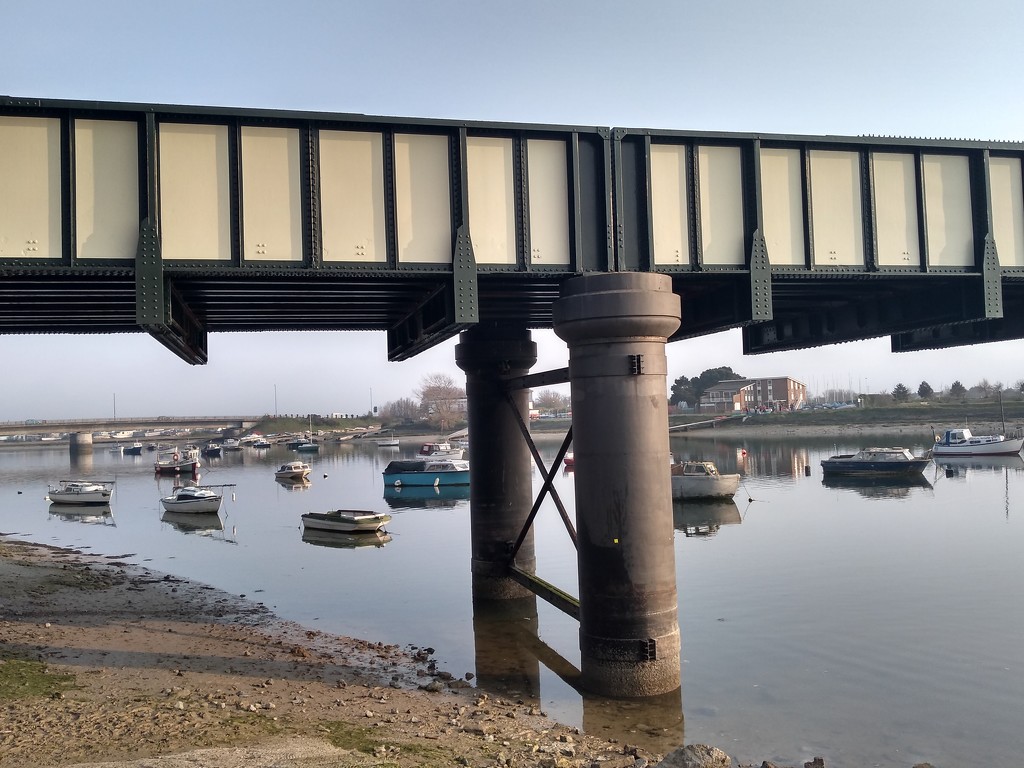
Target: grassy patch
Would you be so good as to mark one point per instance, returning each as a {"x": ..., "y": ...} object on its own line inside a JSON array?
[{"x": 20, "y": 679}]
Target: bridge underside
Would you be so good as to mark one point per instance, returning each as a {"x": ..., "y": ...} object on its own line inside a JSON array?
[{"x": 917, "y": 311}]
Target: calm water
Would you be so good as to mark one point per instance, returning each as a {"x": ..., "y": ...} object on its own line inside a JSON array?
[{"x": 870, "y": 625}]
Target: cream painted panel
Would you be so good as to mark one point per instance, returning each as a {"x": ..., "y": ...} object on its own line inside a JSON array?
[
  {"x": 782, "y": 206},
  {"x": 195, "y": 210},
  {"x": 947, "y": 205},
  {"x": 721, "y": 205},
  {"x": 30, "y": 213},
  {"x": 423, "y": 199},
  {"x": 106, "y": 189},
  {"x": 271, "y": 194},
  {"x": 549, "y": 202},
  {"x": 1007, "y": 210},
  {"x": 896, "y": 214},
  {"x": 492, "y": 214},
  {"x": 836, "y": 209},
  {"x": 670, "y": 204},
  {"x": 352, "y": 196}
]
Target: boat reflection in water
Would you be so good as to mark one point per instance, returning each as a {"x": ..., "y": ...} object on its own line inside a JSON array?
[
  {"x": 703, "y": 517},
  {"x": 294, "y": 483},
  {"x": 96, "y": 514},
  {"x": 960, "y": 466},
  {"x": 193, "y": 522},
  {"x": 878, "y": 487},
  {"x": 420, "y": 496},
  {"x": 342, "y": 540}
]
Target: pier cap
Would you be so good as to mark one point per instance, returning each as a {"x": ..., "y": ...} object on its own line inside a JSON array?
[{"x": 616, "y": 305}]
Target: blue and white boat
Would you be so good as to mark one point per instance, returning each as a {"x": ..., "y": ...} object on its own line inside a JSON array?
[
  {"x": 876, "y": 462},
  {"x": 435, "y": 472}
]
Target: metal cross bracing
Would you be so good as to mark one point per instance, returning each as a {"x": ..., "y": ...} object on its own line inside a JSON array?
[
  {"x": 543, "y": 589},
  {"x": 183, "y": 220}
]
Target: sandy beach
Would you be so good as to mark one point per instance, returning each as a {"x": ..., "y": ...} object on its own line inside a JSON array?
[{"x": 145, "y": 669}]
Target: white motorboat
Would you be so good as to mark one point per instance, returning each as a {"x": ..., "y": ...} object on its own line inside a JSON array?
[
  {"x": 81, "y": 492},
  {"x": 701, "y": 480},
  {"x": 441, "y": 450},
  {"x": 192, "y": 498},
  {"x": 960, "y": 442},
  {"x": 346, "y": 520},
  {"x": 292, "y": 470},
  {"x": 231, "y": 444}
]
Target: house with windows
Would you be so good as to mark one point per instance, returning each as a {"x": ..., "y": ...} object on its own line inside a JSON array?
[{"x": 780, "y": 393}]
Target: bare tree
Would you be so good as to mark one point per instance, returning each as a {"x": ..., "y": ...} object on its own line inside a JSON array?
[
  {"x": 441, "y": 399},
  {"x": 403, "y": 409},
  {"x": 551, "y": 400}
]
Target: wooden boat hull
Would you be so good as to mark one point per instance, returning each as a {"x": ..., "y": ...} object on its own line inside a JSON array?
[
  {"x": 345, "y": 521},
  {"x": 704, "y": 487}
]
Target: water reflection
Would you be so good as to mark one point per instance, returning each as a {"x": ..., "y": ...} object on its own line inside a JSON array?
[
  {"x": 704, "y": 517},
  {"x": 878, "y": 487},
  {"x": 294, "y": 483},
  {"x": 961, "y": 466},
  {"x": 509, "y": 657},
  {"x": 74, "y": 513},
  {"x": 341, "y": 540},
  {"x": 412, "y": 497},
  {"x": 193, "y": 522}
]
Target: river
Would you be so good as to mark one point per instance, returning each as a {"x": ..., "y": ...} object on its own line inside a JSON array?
[{"x": 871, "y": 625}]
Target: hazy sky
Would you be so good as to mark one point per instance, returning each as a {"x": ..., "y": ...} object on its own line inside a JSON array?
[{"x": 924, "y": 68}]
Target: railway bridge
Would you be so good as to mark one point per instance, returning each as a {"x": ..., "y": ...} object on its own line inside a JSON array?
[{"x": 179, "y": 221}]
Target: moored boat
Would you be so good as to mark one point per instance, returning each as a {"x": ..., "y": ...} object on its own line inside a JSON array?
[
  {"x": 135, "y": 449},
  {"x": 875, "y": 461},
  {"x": 175, "y": 462},
  {"x": 231, "y": 444},
  {"x": 427, "y": 472},
  {"x": 440, "y": 450},
  {"x": 702, "y": 480},
  {"x": 292, "y": 470},
  {"x": 211, "y": 449},
  {"x": 81, "y": 492},
  {"x": 346, "y": 520},
  {"x": 192, "y": 498},
  {"x": 960, "y": 442}
]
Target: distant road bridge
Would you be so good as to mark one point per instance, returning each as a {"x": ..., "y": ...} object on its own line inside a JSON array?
[
  {"x": 38, "y": 426},
  {"x": 181, "y": 221}
]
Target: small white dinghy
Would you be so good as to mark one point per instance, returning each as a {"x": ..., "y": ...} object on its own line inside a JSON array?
[{"x": 346, "y": 520}]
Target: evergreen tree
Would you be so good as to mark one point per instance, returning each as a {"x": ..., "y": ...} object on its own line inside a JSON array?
[
  {"x": 924, "y": 390},
  {"x": 900, "y": 393}
]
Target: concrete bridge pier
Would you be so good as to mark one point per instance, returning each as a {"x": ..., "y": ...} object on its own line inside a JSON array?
[
  {"x": 616, "y": 326},
  {"x": 80, "y": 443},
  {"x": 500, "y": 464}
]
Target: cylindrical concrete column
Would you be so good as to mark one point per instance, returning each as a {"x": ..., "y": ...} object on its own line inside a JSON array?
[
  {"x": 501, "y": 480},
  {"x": 80, "y": 443},
  {"x": 616, "y": 326}
]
